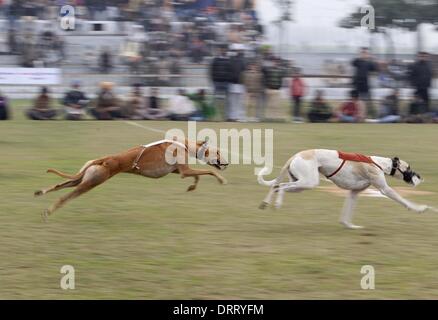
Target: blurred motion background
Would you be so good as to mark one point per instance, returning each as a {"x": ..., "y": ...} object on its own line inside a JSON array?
[{"x": 231, "y": 60}]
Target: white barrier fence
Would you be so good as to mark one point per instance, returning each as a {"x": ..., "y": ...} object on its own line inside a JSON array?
[{"x": 30, "y": 76}]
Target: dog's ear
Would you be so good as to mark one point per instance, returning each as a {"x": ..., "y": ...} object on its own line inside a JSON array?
[{"x": 202, "y": 149}]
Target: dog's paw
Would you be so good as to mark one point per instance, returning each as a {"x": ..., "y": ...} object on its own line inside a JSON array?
[
  {"x": 277, "y": 206},
  {"x": 263, "y": 205},
  {"x": 45, "y": 215},
  {"x": 223, "y": 181},
  {"x": 38, "y": 193},
  {"x": 350, "y": 225},
  {"x": 433, "y": 209},
  {"x": 191, "y": 188},
  {"x": 422, "y": 208}
]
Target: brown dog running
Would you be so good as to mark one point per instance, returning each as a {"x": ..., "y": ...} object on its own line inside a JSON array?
[{"x": 147, "y": 160}]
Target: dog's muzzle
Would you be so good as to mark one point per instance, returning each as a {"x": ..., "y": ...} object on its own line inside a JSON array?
[
  {"x": 411, "y": 177},
  {"x": 220, "y": 166}
]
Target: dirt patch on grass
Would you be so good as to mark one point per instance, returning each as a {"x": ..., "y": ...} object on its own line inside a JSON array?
[{"x": 372, "y": 192}]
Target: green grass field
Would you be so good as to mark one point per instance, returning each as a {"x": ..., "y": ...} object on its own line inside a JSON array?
[{"x": 139, "y": 238}]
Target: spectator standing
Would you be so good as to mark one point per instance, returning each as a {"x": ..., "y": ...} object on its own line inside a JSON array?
[
  {"x": 273, "y": 75},
  {"x": 198, "y": 50},
  {"x": 4, "y": 108},
  {"x": 12, "y": 41},
  {"x": 364, "y": 65},
  {"x": 42, "y": 109},
  {"x": 253, "y": 81},
  {"x": 3, "y": 9},
  {"x": 105, "y": 61},
  {"x": 320, "y": 110},
  {"x": 352, "y": 110},
  {"x": 421, "y": 78},
  {"x": 236, "y": 88},
  {"x": 220, "y": 74},
  {"x": 297, "y": 91},
  {"x": 75, "y": 102}
]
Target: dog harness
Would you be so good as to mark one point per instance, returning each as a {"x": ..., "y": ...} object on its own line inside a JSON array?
[
  {"x": 356, "y": 157},
  {"x": 145, "y": 146}
]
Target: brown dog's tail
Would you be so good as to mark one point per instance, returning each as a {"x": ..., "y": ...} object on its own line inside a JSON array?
[
  {"x": 80, "y": 174},
  {"x": 61, "y": 174}
]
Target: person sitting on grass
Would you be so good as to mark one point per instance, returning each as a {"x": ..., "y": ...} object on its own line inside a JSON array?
[
  {"x": 320, "y": 110},
  {"x": 154, "y": 110},
  {"x": 136, "y": 103},
  {"x": 4, "y": 108},
  {"x": 204, "y": 105},
  {"x": 107, "y": 104},
  {"x": 42, "y": 109},
  {"x": 353, "y": 110},
  {"x": 435, "y": 117},
  {"x": 75, "y": 102},
  {"x": 181, "y": 107},
  {"x": 390, "y": 109}
]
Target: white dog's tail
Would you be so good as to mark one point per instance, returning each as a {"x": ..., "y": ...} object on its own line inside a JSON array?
[
  {"x": 280, "y": 178},
  {"x": 262, "y": 181},
  {"x": 277, "y": 180}
]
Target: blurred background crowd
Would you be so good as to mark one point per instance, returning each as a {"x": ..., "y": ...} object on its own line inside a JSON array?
[{"x": 197, "y": 60}]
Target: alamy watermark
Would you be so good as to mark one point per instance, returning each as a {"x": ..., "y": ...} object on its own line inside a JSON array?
[
  {"x": 244, "y": 146},
  {"x": 369, "y": 18},
  {"x": 67, "y": 17},
  {"x": 68, "y": 279},
  {"x": 368, "y": 280}
]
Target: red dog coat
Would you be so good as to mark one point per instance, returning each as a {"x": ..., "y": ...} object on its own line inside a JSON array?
[{"x": 357, "y": 157}]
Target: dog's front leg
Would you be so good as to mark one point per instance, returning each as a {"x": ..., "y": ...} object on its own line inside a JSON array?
[
  {"x": 186, "y": 171},
  {"x": 392, "y": 194},
  {"x": 348, "y": 209},
  {"x": 381, "y": 184},
  {"x": 194, "y": 185}
]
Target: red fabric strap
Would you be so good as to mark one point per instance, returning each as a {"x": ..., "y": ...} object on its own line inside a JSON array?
[
  {"x": 357, "y": 157},
  {"x": 337, "y": 170}
]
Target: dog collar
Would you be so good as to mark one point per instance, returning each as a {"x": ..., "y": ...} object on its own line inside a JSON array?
[{"x": 395, "y": 163}]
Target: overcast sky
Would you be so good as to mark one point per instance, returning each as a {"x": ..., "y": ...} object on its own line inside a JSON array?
[
  {"x": 315, "y": 25},
  {"x": 309, "y": 12}
]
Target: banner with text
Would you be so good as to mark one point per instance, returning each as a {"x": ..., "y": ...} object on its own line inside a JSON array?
[{"x": 36, "y": 76}]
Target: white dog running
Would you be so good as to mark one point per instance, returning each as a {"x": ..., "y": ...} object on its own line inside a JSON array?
[{"x": 350, "y": 171}]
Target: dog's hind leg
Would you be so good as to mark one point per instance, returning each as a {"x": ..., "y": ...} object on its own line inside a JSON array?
[
  {"x": 307, "y": 177},
  {"x": 296, "y": 186},
  {"x": 267, "y": 201},
  {"x": 274, "y": 188},
  {"x": 66, "y": 184},
  {"x": 348, "y": 210},
  {"x": 93, "y": 177}
]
